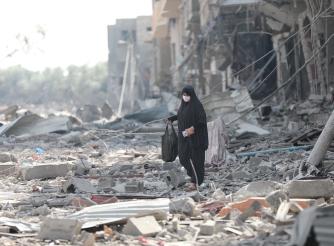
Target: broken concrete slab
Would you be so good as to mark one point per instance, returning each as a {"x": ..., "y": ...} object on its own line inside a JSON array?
[
  {"x": 34, "y": 125},
  {"x": 310, "y": 188},
  {"x": 257, "y": 189},
  {"x": 184, "y": 205},
  {"x": 145, "y": 226},
  {"x": 59, "y": 229},
  {"x": 208, "y": 228},
  {"x": 77, "y": 185},
  {"x": 45, "y": 171}
]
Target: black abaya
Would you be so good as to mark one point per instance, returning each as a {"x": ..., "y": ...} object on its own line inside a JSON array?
[{"x": 192, "y": 149}]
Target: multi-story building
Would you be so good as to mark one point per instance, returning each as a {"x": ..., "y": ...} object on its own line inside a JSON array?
[{"x": 136, "y": 33}]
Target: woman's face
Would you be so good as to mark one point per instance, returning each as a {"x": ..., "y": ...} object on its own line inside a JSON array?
[{"x": 185, "y": 97}]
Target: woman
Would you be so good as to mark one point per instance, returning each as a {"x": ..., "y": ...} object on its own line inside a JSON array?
[{"x": 193, "y": 135}]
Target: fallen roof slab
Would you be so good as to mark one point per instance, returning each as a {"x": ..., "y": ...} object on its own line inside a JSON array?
[{"x": 34, "y": 125}]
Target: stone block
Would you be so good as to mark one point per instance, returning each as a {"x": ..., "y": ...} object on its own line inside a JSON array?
[
  {"x": 310, "y": 188},
  {"x": 144, "y": 226},
  {"x": 184, "y": 205},
  {"x": 59, "y": 229},
  {"x": 45, "y": 171},
  {"x": 208, "y": 228},
  {"x": 77, "y": 185}
]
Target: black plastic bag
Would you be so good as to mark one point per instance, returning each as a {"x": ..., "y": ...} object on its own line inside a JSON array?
[{"x": 169, "y": 148}]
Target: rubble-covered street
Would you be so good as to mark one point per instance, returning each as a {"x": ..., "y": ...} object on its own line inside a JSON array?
[{"x": 88, "y": 151}]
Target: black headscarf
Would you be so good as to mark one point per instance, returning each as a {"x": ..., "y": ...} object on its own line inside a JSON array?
[{"x": 192, "y": 114}]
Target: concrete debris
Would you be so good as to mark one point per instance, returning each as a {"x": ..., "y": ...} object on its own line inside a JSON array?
[
  {"x": 275, "y": 199},
  {"x": 175, "y": 178},
  {"x": 45, "y": 171},
  {"x": 7, "y": 157},
  {"x": 145, "y": 226},
  {"x": 82, "y": 167},
  {"x": 208, "y": 228},
  {"x": 310, "y": 188},
  {"x": 185, "y": 205},
  {"x": 77, "y": 185},
  {"x": 259, "y": 188},
  {"x": 59, "y": 229},
  {"x": 41, "y": 211}
]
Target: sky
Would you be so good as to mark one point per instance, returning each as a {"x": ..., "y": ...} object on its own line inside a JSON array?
[{"x": 75, "y": 30}]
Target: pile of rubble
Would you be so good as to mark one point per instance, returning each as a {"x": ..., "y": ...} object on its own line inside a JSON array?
[{"x": 64, "y": 182}]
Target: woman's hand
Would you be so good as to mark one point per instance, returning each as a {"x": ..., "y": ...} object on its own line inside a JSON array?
[{"x": 190, "y": 131}]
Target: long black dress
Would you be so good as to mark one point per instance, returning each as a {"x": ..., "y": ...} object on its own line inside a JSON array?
[{"x": 192, "y": 149}]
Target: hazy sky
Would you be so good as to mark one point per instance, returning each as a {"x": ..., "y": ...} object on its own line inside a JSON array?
[{"x": 76, "y": 30}]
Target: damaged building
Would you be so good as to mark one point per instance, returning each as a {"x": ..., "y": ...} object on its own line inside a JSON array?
[
  {"x": 130, "y": 60},
  {"x": 266, "y": 46}
]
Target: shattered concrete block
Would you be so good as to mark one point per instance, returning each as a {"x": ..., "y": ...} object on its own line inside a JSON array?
[
  {"x": 82, "y": 167},
  {"x": 77, "y": 185},
  {"x": 7, "y": 157},
  {"x": 144, "y": 226},
  {"x": 275, "y": 199},
  {"x": 59, "y": 229},
  {"x": 258, "y": 188},
  {"x": 7, "y": 168},
  {"x": 175, "y": 178},
  {"x": 134, "y": 187},
  {"x": 184, "y": 205},
  {"x": 208, "y": 228},
  {"x": 45, "y": 171},
  {"x": 310, "y": 188}
]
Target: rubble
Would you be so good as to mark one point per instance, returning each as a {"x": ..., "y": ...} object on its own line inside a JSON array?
[
  {"x": 310, "y": 188},
  {"x": 186, "y": 206},
  {"x": 45, "y": 171},
  {"x": 145, "y": 226},
  {"x": 59, "y": 229},
  {"x": 77, "y": 185}
]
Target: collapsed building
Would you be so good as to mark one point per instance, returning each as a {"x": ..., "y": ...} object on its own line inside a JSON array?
[{"x": 268, "y": 46}]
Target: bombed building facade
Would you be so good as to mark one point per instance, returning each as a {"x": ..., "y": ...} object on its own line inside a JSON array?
[
  {"x": 268, "y": 46},
  {"x": 130, "y": 59}
]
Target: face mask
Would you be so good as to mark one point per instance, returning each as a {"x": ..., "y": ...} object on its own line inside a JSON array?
[{"x": 186, "y": 98}]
